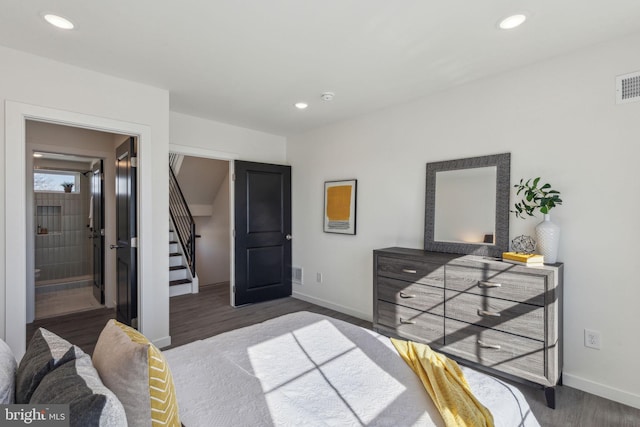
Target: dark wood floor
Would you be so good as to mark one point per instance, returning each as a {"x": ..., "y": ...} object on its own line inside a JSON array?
[
  {"x": 208, "y": 313},
  {"x": 197, "y": 316}
]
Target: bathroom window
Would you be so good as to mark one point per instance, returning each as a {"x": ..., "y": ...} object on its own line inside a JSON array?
[{"x": 56, "y": 181}]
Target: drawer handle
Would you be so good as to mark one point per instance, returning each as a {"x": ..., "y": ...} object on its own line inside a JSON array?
[
  {"x": 485, "y": 345},
  {"x": 403, "y": 295},
  {"x": 483, "y": 284},
  {"x": 488, "y": 313},
  {"x": 407, "y": 322},
  {"x": 406, "y": 270}
]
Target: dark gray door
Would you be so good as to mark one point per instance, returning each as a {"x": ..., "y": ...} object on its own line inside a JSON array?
[
  {"x": 126, "y": 264},
  {"x": 97, "y": 230},
  {"x": 262, "y": 232}
]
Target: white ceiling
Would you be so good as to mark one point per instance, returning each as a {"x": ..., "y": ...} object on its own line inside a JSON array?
[{"x": 246, "y": 62}]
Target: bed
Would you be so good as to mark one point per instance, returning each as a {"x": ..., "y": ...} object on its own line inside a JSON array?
[{"x": 308, "y": 369}]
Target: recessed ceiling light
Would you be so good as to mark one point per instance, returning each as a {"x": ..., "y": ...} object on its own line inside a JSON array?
[
  {"x": 59, "y": 21},
  {"x": 301, "y": 105},
  {"x": 512, "y": 21},
  {"x": 37, "y": 154}
]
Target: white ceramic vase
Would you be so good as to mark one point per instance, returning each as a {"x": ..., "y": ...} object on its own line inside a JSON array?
[{"x": 548, "y": 238}]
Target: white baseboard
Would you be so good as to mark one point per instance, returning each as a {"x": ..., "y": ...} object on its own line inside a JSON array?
[
  {"x": 332, "y": 306},
  {"x": 162, "y": 342},
  {"x": 601, "y": 390}
]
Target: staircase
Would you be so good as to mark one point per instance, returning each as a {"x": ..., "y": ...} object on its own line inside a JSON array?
[
  {"x": 182, "y": 239},
  {"x": 181, "y": 281}
]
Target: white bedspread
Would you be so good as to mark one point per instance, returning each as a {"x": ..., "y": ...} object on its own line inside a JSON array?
[{"x": 305, "y": 369}]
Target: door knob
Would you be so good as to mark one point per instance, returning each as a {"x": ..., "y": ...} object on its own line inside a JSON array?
[
  {"x": 288, "y": 237},
  {"x": 115, "y": 246}
]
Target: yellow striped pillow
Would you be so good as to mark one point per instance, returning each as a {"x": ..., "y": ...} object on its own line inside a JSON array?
[{"x": 137, "y": 372}]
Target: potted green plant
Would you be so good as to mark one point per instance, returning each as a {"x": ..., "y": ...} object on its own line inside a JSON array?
[
  {"x": 68, "y": 186},
  {"x": 543, "y": 198}
]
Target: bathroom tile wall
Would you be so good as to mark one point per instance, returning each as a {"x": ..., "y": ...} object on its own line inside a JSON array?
[{"x": 65, "y": 250}]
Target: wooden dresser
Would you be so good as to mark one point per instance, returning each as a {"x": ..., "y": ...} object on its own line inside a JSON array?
[{"x": 495, "y": 316}]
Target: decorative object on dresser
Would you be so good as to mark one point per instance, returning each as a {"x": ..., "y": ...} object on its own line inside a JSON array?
[
  {"x": 548, "y": 234},
  {"x": 542, "y": 198},
  {"x": 523, "y": 244},
  {"x": 340, "y": 206},
  {"x": 525, "y": 259},
  {"x": 467, "y": 205},
  {"x": 499, "y": 317}
]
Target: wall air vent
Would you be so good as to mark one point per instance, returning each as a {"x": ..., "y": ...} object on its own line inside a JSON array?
[
  {"x": 296, "y": 275},
  {"x": 628, "y": 88}
]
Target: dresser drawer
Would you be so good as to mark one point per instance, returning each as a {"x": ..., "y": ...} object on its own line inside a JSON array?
[
  {"x": 411, "y": 270},
  {"x": 528, "y": 288},
  {"x": 413, "y": 295},
  {"x": 505, "y": 352},
  {"x": 503, "y": 315},
  {"x": 409, "y": 323}
]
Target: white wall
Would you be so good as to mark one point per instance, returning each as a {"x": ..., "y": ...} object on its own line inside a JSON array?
[
  {"x": 70, "y": 93},
  {"x": 213, "y": 250},
  {"x": 207, "y": 138},
  {"x": 559, "y": 120}
]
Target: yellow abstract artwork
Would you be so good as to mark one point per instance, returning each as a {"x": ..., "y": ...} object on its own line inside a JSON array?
[
  {"x": 339, "y": 203},
  {"x": 339, "y": 210}
]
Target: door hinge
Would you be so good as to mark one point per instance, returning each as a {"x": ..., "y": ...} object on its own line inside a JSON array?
[
  {"x": 134, "y": 162},
  {"x": 134, "y": 323},
  {"x": 234, "y": 289},
  {"x": 102, "y": 231},
  {"x": 233, "y": 177},
  {"x": 234, "y": 232},
  {"x": 134, "y": 242}
]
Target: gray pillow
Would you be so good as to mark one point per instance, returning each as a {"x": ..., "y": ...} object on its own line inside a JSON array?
[
  {"x": 45, "y": 352},
  {"x": 7, "y": 374},
  {"x": 78, "y": 384}
]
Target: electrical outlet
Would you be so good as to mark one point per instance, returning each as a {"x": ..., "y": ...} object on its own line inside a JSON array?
[
  {"x": 592, "y": 339},
  {"x": 319, "y": 277}
]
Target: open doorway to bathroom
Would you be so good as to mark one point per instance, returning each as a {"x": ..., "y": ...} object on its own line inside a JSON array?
[
  {"x": 64, "y": 224},
  {"x": 65, "y": 244}
]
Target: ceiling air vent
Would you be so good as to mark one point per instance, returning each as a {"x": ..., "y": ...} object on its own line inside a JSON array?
[{"x": 628, "y": 88}]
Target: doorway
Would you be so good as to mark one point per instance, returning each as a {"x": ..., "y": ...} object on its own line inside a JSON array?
[
  {"x": 19, "y": 283},
  {"x": 205, "y": 187},
  {"x": 257, "y": 234},
  {"x": 68, "y": 225}
]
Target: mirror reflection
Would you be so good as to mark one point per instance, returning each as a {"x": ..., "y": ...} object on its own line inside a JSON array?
[{"x": 465, "y": 206}]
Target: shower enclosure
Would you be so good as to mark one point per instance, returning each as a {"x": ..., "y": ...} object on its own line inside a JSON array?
[{"x": 63, "y": 248}]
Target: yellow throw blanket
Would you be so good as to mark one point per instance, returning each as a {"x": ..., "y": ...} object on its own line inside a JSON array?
[{"x": 446, "y": 384}]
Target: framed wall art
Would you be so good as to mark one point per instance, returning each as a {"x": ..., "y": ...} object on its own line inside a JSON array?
[{"x": 340, "y": 206}]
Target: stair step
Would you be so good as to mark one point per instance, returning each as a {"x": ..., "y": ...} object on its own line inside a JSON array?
[
  {"x": 179, "y": 282},
  {"x": 175, "y": 254},
  {"x": 177, "y": 267}
]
